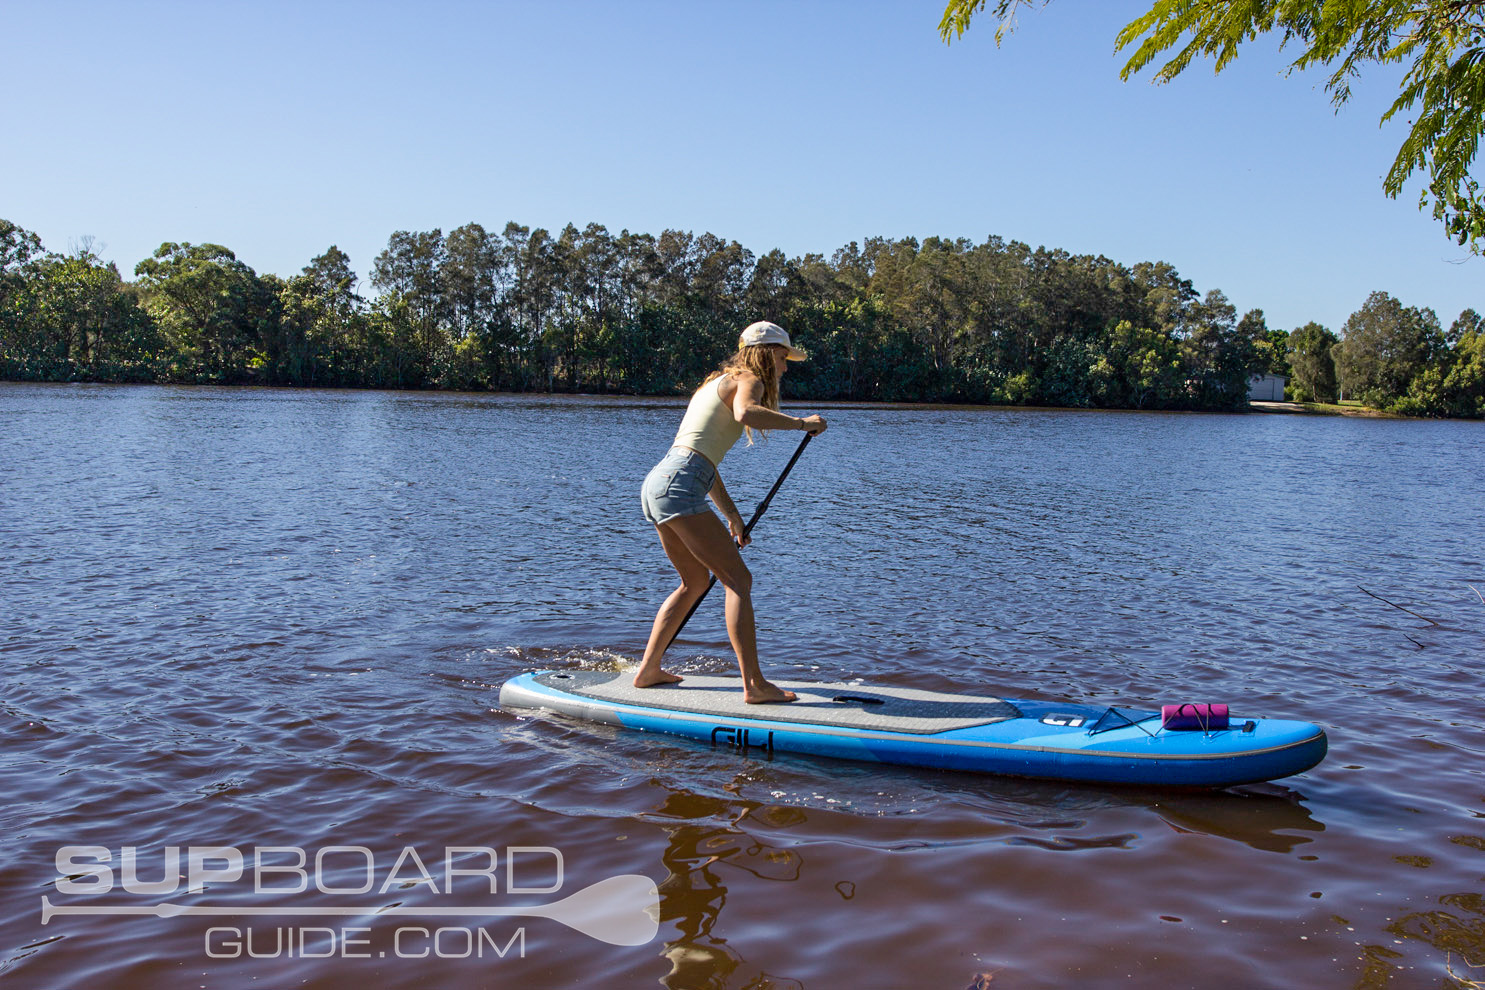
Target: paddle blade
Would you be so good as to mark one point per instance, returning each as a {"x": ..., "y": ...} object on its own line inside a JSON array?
[{"x": 622, "y": 910}]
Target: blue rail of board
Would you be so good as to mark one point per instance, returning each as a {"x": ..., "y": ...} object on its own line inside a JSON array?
[{"x": 1048, "y": 740}]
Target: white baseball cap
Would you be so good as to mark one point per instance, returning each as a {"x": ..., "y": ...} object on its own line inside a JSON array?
[{"x": 764, "y": 332}]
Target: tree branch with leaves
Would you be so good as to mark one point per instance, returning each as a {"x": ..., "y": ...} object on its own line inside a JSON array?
[{"x": 1442, "y": 93}]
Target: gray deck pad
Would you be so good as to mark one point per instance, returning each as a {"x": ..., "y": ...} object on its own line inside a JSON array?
[{"x": 852, "y": 706}]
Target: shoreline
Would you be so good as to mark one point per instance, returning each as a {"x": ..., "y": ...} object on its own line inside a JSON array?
[
  {"x": 677, "y": 399},
  {"x": 1324, "y": 409}
]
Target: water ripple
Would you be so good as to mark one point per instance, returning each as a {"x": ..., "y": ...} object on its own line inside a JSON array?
[{"x": 265, "y": 618}]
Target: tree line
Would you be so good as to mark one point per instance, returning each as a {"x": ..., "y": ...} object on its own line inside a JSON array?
[{"x": 589, "y": 311}]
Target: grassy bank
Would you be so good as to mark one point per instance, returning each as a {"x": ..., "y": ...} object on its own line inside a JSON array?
[{"x": 1347, "y": 408}]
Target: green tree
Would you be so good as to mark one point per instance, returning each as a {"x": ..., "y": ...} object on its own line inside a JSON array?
[
  {"x": 1384, "y": 346},
  {"x": 1221, "y": 353},
  {"x": 1454, "y": 385},
  {"x": 1167, "y": 299},
  {"x": 565, "y": 331},
  {"x": 1274, "y": 348},
  {"x": 213, "y": 309},
  {"x": 1250, "y": 352},
  {"x": 18, "y": 247},
  {"x": 1138, "y": 368},
  {"x": 471, "y": 278},
  {"x": 88, "y": 321},
  {"x": 935, "y": 298},
  {"x": 850, "y": 346},
  {"x": 1464, "y": 384},
  {"x": 412, "y": 312},
  {"x": 531, "y": 261},
  {"x": 1468, "y": 321},
  {"x": 1064, "y": 371},
  {"x": 722, "y": 272},
  {"x": 1442, "y": 93},
  {"x": 323, "y": 324},
  {"x": 1313, "y": 367},
  {"x": 602, "y": 302}
]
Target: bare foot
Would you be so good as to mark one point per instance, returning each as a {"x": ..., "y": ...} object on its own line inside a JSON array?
[
  {"x": 660, "y": 677},
  {"x": 767, "y": 693}
]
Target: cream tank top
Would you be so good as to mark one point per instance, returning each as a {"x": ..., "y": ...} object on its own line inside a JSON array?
[{"x": 708, "y": 426}]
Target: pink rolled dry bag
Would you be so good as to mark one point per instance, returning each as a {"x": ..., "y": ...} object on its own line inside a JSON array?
[{"x": 1202, "y": 718}]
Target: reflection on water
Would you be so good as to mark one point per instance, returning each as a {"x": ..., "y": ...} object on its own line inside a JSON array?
[
  {"x": 268, "y": 618},
  {"x": 697, "y": 859},
  {"x": 1264, "y": 817},
  {"x": 1456, "y": 929}
]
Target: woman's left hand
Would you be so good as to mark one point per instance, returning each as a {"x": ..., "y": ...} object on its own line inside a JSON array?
[{"x": 739, "y": 531}]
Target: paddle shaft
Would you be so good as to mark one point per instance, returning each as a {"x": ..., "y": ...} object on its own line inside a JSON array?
[{"x": 747, "y": 530}]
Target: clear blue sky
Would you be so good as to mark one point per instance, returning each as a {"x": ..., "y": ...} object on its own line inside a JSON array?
[{"x": 278, "y": 129}]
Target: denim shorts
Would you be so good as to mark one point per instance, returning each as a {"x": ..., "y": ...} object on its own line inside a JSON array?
[{"x": 677, "y": 486}]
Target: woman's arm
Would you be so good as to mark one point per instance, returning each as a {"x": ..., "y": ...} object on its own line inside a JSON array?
[
  {"x": 734, "y": 518},
  {"x": 750, "y": 412}
]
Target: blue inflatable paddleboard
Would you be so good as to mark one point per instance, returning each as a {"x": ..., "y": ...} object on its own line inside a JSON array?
[{"x": 1051, "y": 740}]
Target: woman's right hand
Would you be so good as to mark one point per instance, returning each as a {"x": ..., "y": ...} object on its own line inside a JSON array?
[{"x": 814, "y": 425}]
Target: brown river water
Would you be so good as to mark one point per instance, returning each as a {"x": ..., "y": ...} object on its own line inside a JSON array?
[{"x": 253, "y": 640}]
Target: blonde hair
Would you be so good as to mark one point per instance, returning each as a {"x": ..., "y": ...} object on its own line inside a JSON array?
[{"x": 756, "y": 360}]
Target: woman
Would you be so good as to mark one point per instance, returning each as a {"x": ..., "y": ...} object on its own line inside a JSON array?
[{"x": 744, "y": 395}]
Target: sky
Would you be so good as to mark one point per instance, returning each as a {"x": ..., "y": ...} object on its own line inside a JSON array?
[{"x": 279, "y": 129}]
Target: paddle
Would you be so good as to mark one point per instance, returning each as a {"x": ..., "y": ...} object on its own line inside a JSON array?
[{"x": 747, "y": 530}]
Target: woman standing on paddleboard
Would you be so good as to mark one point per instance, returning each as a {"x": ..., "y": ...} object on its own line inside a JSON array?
[{"x": 743, "y": 395}]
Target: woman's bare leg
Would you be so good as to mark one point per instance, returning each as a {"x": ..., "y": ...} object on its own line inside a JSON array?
[
  {"x": 707, "y": 541},
  {"x": 694, "y": 579}
]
